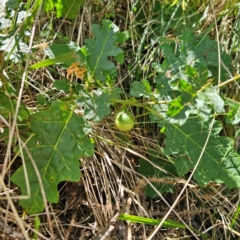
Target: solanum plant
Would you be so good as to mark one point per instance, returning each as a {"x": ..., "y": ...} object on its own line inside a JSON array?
[{"x": 182, "y": 99}]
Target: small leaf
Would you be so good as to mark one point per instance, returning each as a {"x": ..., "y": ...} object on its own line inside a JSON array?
[
  {"x": 100, "y": 48},
  {"x": 61, "y": 53},
  {"x": 213, "y": 99},
  {"x": 182, "y": 164},
  {"x": 72, "y": 51},
  {"x": 15, "y": 47},
  {"x": 41, "y": 99},
  {"x": 13, "y": 4},
  {"x": 139, "y": 89},
  {"x": 8, "y": 106},
  {"x": 120, "y": 58},
  {"x": 67, "y": 58},
  {"x": 233, "y": 115},
  {"x": 123, "y": 37},
  {"x": 62, "y": 85},
  {"x": 96, "y": 106},
  {"x": 148, "y": 170}
]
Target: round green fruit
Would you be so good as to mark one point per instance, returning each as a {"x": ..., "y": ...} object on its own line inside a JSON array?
[{"x": 124, "y": 121}]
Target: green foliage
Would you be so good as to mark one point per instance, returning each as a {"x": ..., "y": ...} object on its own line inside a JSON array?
[
  {"x": 96, "y": 105},
  {"x": 37, "y": 224},
  {"x": 150, "y": 221},
  {"x": 140, "y": 89},
  {"x": 152, "y": 169},
  {"x": 233, "y": 116},
  {"x": 189, "y": 100},
  {"x": 7, "y": 110},
  {"x": 11, "y": 44},
  {"x": 175, "y": 16},
  {"x": 184, "y": 78},
  {"x": 13, "y": 4},
  {"x": 236, "y": 216},
  {"x": 94, "y": 55},
  {"x": 219, "y": 163},
  {"x": 14, "y": 39},
  {"x": 8, "y": 106},
  {"x": 181, "y": 94},
  {"x": 58, "y": 134},
  {"x": 154, "y": 222},
  {"x": 62, "y": 86},
  {"x": 59, "y": 139},
  {"x": 64, "y": 53},
  {"x": 64, "y": 8},
  {"x": 100, "y": 48}
]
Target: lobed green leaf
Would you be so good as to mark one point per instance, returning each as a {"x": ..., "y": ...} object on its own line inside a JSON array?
[
  {"x": 100, "y": 48},
  {"x": 59, "y": 140},
  {"x": 219, "y": 162},
  {"x": 96, "y": 106}
]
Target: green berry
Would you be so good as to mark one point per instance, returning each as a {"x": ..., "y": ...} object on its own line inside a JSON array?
[{"x": 124, "y": 121}]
